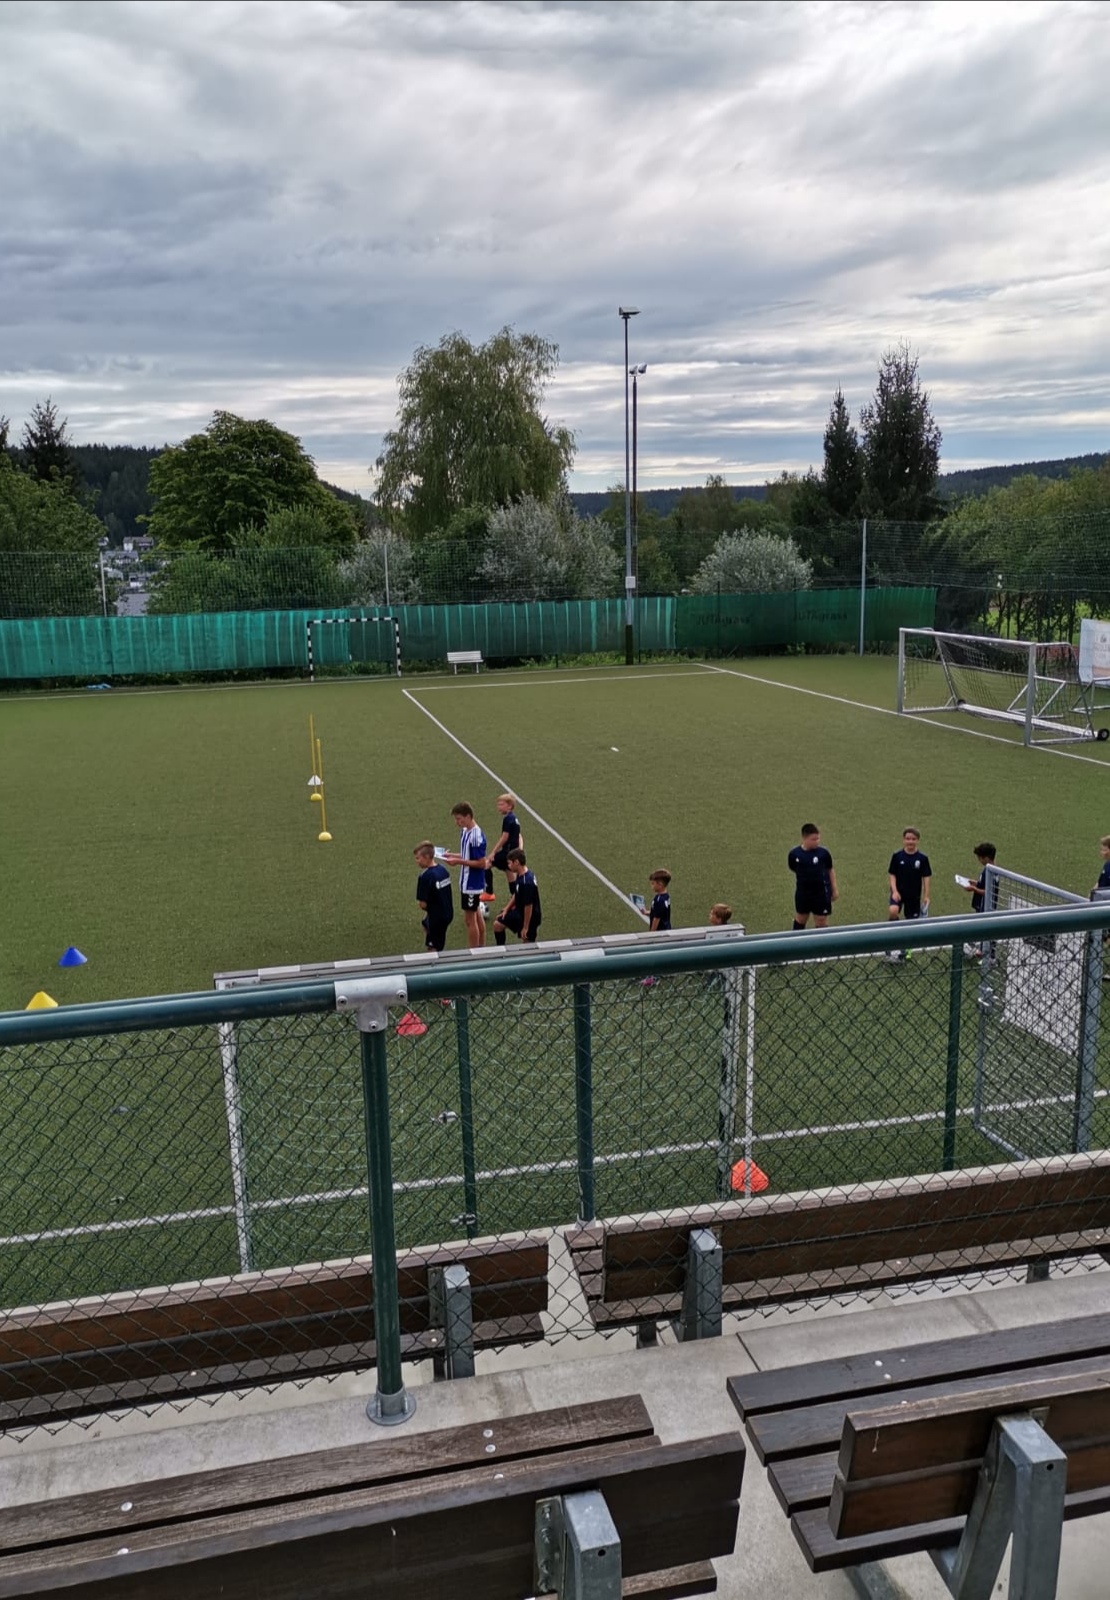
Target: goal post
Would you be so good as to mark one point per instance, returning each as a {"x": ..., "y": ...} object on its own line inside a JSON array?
[
  {"x": 355, "y": 640},
  {"x": 1033, "y": 685}
]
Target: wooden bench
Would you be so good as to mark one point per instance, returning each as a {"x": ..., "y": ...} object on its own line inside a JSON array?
[
  {"x": 492, "y": 1511},
  {"x": 901, "y": 1450},
  {"x": 73, "y": 1359},
  {"x": 464, "y": 658},
  {"x": 692, "y": 1266}
]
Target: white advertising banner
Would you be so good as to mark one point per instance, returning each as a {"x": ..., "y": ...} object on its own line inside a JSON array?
[{"x": 1094, "y": 651}]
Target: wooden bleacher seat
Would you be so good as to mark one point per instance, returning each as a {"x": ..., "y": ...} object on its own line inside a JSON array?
[
  {"x": 488, "y": 1511},
  {"x": 894, "y": 1451},
  {"x": 96, "y": 1354},
  {"x": 771, "y": 1249}
]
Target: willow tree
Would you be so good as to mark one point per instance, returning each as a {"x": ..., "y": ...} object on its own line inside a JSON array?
[{"x": 471, "y": 431}]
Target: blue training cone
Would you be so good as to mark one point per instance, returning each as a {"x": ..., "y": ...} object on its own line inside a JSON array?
[{"x": 72, "y": 957}]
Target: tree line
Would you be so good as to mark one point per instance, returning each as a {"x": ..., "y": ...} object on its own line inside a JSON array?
[{"x": 472, "y": 504}]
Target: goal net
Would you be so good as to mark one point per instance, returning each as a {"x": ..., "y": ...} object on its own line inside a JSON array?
[
  {"x": 1038, "y": 1005},
  {"x": 1037, "y": 687}
]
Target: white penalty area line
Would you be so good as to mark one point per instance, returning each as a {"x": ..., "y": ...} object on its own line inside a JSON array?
[
  {"x": 531, "y": 810},
  {"x": 885, "y": 711}
]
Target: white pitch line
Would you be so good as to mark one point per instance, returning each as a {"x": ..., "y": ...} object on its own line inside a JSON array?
[
  {"x": 557, "y": 683},
  {"x": 531, "y": 810},
  {"x": 885, "y": 711}
]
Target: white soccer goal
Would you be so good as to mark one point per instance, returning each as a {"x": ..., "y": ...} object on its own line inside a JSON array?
[{"x": 1035, "y": 686}]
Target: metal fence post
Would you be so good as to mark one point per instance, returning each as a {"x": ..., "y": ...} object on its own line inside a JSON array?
[
  {"x": 369, "y": 999},
  {"x": 952, "y": 1076},
  {"x": 584, "y": 1100},
  {"x": 466, "y": 1116}
]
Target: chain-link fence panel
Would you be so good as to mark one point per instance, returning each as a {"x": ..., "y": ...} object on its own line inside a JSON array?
[{"x": 194, "y": 1209}]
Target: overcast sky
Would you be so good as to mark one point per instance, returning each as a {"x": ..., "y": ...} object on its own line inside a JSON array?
[{"x": 266, "y": 208}]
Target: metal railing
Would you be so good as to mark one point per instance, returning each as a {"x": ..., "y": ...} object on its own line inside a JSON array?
[{"x": 175, "y": 1144}]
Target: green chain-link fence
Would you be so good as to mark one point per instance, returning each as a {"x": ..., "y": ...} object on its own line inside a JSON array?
[{"x": 191, "y": 1186}]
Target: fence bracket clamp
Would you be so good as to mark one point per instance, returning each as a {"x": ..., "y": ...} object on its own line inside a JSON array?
[{"x": 368, "y": 1000}]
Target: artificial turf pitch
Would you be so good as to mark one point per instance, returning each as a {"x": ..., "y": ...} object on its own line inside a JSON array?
[{"x": 170, "y": 835}]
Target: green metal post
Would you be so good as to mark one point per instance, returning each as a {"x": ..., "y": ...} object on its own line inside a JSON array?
[
  {"x": 952, "y": 1078},
  {"x": 391, "y": 1403},
  {"x": 466, "y": 1116},
  {"x": 584, "y": 1100}
]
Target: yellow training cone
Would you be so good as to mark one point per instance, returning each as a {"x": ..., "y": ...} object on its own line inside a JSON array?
[{"x": 41, "y": 1002}]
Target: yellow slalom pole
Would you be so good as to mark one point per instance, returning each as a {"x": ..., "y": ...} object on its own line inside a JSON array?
[
  {"x": 324, "y": 836},
  {"x": 314, "y": 779}
]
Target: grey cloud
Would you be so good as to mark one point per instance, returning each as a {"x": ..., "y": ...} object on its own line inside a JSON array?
[{"x": 269, "y": 207}]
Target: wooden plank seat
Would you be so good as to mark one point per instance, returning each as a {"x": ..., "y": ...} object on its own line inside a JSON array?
[
  {"x": 883, "y": 1454},
  {"x": 771, "y": 1249},
  {"x": 457, "y": 1511},
  {"x": 464, "y": 658},
  {"x": 72, "y": 1359}
]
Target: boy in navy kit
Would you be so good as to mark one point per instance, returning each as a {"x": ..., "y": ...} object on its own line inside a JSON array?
[
  {"x": 814, "y": 879},
  {"x": 433, "y": 896},
  {"x": 471, "y": 858},
  {"x": 984, "y": 854},
  {"x": 659, "y": 917},
  {"x": 510, "y": 835},
  {"x": 523, "y": 914},
  {"x": 909, "y": 875}
]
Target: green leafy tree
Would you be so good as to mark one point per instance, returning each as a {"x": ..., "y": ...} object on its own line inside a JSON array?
[
  {"x": 49, "y": 544},
  {"x": 47, "y": 453},
  {"x": 655, "y": 573},
  {"x": 842, "y": 478},
  {"x": 900, "y": 443},
  {"x": 235, "y": 475},
  {"x": 752, "y": 563},
  {"x": 470, "y": 431}
]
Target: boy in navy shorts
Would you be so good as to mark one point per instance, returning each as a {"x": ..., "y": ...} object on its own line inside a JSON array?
[
  {"x": 814, "y": 879},
  {"x": 433, "y": 896},
  {"x": 909, "y": 875},
  {"x": 523, "y": 914},
  {"x": 510, "y": 835}
]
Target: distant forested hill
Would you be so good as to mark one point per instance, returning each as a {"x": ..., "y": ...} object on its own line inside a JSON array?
[
  {"x": 975, "y": 481},
  {"x": 591, "y": 503},
  {"x": 115, "y": 478},
  {"x": 979, "y": 479}
]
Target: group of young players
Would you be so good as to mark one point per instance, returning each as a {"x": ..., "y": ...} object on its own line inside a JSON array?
[
  {"x": 909, "y": 876},
  {"x": 522, "y": 912}
]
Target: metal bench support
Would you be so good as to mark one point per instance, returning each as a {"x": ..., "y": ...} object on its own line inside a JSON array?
[
  {"x": 1021, "y": 1497},
  {"x": 452, "y": 1310},
  {"x": 578, "y": 1549},
  {"x": 704, "y": 1287}
]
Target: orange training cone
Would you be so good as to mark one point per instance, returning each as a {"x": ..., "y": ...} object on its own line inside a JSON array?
[
  {"x": 410, "y": 1026},
  {"x": 759, "y": 1179}
]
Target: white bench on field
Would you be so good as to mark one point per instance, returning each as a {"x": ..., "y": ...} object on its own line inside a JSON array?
[{"x": 464, "y": 658}]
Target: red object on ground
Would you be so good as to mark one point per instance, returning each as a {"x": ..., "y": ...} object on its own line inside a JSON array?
[
  {"x": 759, "y": 1179},
  {"x": 410, "y": 1025}
]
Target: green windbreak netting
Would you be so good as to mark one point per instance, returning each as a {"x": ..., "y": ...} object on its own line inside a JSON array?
[
  {"x": 753, "y": 622},
  {"x": 107, "y": 648},
  {"x": 532, "y": 628}
]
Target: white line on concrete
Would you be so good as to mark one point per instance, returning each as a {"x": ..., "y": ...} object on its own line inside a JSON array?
[
  {"x": 885, "y": 711},
  {"x": 524, "y": 806}
]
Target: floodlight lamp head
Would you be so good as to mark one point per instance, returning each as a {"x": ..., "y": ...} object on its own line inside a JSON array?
[{"x": 628, "y": 311}]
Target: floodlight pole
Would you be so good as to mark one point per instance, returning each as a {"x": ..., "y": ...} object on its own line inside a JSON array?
[
  {"x": 627, "y": 313},
  {"x": 634, "y": 564}
]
